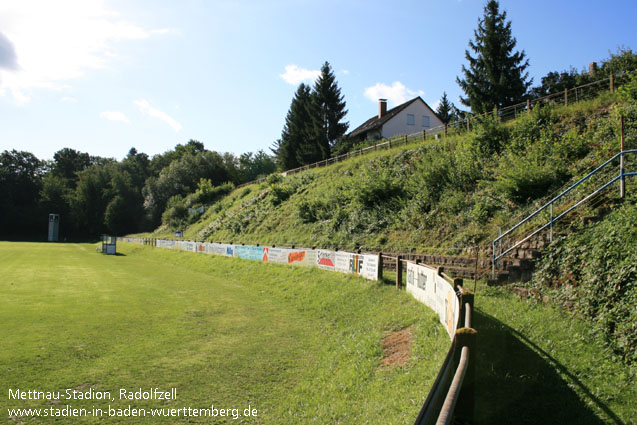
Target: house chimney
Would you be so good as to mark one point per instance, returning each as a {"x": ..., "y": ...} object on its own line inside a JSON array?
[
  {"x": 592, "y": 68},
  {"x": 382, "y": 107}
]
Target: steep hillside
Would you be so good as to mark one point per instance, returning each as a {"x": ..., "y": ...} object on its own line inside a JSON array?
[{"x": 445, "y": 194}]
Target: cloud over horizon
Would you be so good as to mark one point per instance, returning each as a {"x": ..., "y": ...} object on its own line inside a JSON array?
[
  {"x": 115, "y": 116},
  {"x": 146, "y": 109},
  {"x": 395, "y": 94},
  {"x": 295, "y": 75}
]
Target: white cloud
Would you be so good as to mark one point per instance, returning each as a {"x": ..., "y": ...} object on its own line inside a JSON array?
[
  {"x": 58, "y": 41},
  {"x": 395, "y": 94},
  {"x": 146, "y": 109},
  {"x": 115, "y": 116},
  {"x": 68, "y": 99},
  {"x": 295, "y": 75}
]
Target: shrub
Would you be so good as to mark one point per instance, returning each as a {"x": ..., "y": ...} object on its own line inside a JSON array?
[
  {"x": 489, "y": 136},
  {"x": 280, "y": 193},
  {"x": 595, "y": 273},
  {"x": 176, "y": 214},
  {"x": 525, "y": 180},
  {"x": 273, "y": 179},
  {"x": 206, "y": 193},
  {"x": 377, "y": 185}
]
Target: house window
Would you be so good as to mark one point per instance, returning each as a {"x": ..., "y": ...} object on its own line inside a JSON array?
[
  {"x": 425, "y": 121},
  {"x": 411, "y": 119}
]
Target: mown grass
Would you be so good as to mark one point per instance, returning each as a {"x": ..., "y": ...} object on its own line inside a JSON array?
[
  {"x": 300, "y": 345},
  {"x": 537, "y": 364}
]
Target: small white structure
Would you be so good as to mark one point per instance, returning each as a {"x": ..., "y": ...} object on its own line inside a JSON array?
[
  {"x": 411, "y": 117},
  {"x": 109, "y": 244},
  {"x": 54, "y": 227}
]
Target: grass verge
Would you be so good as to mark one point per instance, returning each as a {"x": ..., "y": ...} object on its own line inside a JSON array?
[
  {"x": 300, "y": 345},
  {"x": 538, "y": 364}
]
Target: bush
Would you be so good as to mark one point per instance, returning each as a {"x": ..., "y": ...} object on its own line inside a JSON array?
[
  {"x": 377, "y": 185},
  {"x": 529, "y": 128},
  {"x": 280, "y": 193},
  {"x": 595, "y": 274},
  {"x": 525, "y": 180},
  {"x": 206, "y": 193},
  {"x": 273, "y": 179},
  {"x": 489, "y": 136},
  {"x": 176, "y": 213}
]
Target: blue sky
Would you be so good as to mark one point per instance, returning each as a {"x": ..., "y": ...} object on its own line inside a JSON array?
[{"x": 103, "y": 76}]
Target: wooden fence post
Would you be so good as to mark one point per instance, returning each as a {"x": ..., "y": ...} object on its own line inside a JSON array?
[
  {"x": 612, "y": 83},
  {"x": 445, "y": 127},
  {"x": 468, "y": 124},
  {"x": 405, "y": 139},
  {"x": 565, "y": 97},
  {"x": 424, "y": 136},
  {"x": 528, "y": 106},
  {"x": 389, "y": 142},
  {"x": 380, "y": 266},
  {"x": 399, "y": 272},
  {"x": 622, "y": 181}
]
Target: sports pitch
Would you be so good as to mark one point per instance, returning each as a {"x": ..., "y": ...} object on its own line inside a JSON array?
[{"x": 204, "y": 339}]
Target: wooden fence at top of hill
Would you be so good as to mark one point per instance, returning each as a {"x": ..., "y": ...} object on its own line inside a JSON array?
[{"x": 566, "y": 97}]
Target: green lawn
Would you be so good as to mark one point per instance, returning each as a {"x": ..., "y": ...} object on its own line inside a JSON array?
[
  {"x": 537, "y": 364},
  {"x": 300, "y": 345}
]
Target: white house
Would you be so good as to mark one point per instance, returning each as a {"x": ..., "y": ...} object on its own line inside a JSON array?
[{"x": 413, "y": 116}]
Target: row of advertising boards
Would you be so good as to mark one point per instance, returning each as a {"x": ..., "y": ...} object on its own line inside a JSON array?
[
  {"x": 427, "y": 286},
  {"x": 423, "y": 282},
  {"x": 365, "y": 265}
]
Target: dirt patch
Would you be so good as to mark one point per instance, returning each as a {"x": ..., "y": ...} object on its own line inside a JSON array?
[{"x": 397, "y": 347}]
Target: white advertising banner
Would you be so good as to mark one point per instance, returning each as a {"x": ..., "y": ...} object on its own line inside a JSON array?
[
  {"x": 342, "y": 262},
  {"x": 435, "y": 292},
  {"x": 302, "y": 257},
  {"x": 369, "y": 267},
  {"x": 275, "y": 255},
  {"x": 325, "y": 259}
]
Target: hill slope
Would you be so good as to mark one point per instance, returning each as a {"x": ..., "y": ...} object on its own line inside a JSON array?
[{"x": 447, "y": 193}]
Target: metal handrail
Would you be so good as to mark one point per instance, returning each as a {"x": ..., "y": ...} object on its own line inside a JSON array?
[
  {"x": 446, "y": 413},
  {"x": 549, "y": 204}
]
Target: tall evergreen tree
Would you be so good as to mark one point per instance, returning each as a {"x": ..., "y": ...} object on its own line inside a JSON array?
[
  {"x": 496, "y": 75},
  {"x": 446, "y": 111},
  {"x": 328, "y": 111},
  {"x": 294, "y": 148}
]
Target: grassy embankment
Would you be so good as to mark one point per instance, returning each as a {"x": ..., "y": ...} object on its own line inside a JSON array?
[
  {"x": 300, "y": 345},
  {"x": 536, "y": 363},
  {"x": 447, "y": 193}
]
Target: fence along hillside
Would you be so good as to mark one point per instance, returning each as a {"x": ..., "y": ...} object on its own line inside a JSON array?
[
  {"x": 429, "y": 285},
  {"x": 567, "y": 97}
]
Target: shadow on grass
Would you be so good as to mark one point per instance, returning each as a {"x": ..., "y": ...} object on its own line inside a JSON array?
[{"x": 518, "y": 382}]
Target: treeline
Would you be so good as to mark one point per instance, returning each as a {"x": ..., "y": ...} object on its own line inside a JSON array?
[{"x": 95, "y": 195}]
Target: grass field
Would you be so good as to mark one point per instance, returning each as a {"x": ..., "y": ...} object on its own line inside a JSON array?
[
  {"x": 537, "y": 364},
  {"x": 299, "y": 345}
]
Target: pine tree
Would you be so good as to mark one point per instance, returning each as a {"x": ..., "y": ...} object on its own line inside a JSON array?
[
  {"x": 445, "y": 110},
  {"x": 291, "y": 150},
  {"x": 496, "y": 76},
  {"x": 328, "y": 109}
]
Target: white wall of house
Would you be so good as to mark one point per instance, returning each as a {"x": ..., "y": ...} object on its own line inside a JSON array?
[{"x": 399, "y": 124}]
